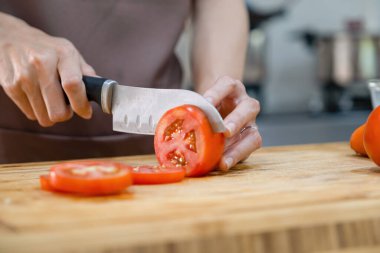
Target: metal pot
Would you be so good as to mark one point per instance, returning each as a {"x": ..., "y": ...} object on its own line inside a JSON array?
[{"x": 345, "y": 61}]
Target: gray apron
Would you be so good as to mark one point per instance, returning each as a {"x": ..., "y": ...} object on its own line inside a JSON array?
[{"x": 131, "y": 41}]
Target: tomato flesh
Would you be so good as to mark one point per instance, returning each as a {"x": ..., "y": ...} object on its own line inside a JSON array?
[
  {"x": 147, "y": 174},
  {"x": 184, "y": 138},
  {"x": 90, "y": 177}
]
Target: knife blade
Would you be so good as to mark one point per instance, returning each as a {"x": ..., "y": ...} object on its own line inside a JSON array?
[{"x": 138, "y": 110}]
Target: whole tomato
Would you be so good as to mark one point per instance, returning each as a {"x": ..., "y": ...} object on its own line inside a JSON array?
[
  {"x": 357, "y": 140},
  {"x": 372, "y": 136}
]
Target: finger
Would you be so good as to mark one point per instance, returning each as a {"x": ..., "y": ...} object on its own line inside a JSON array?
[
  {"x": 244, "y": 113},
  {"x": 51, "y": 90},
  {"x": 26, "y": 79},
  {"x": 241, "y": 150},
  {"x": 14, "y": 91},
  {"x": 230, "y": 141},
  {"x": 223, "y": 87},
  {"x": 70, "y": 73},
  {"x": 33, "y": 92},
  {"x": 21, "y": 100},
  {"x": 86, "y": 68}
]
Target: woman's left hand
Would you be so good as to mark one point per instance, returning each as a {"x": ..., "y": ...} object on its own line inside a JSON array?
[{"x": 239, "y": 111}]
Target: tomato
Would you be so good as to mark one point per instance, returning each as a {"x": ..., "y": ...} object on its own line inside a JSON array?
[
  {"x": 90, "y": 177},
  {"x": 357, "y": 140},
  {"x": 372, "y": 136},
  {"x": 45, "y": 183},
  {"x": 147, "y": 174},
  {"x": 184, "y": 138}
]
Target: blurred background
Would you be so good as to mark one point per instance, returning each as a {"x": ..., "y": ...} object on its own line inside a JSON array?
[{"x": 308, "y": 64}]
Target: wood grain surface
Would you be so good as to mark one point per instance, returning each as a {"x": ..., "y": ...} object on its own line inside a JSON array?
[{"x": 310, "y": 198}]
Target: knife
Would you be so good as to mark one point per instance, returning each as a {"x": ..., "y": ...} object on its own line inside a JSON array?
[{"x": 138, "y": 110}]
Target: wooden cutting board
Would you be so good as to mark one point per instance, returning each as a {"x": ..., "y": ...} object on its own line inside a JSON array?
[{"x": 311, "y": 198}]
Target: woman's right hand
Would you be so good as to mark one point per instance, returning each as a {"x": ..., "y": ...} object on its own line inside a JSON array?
[{"x": 35, "y": 70}]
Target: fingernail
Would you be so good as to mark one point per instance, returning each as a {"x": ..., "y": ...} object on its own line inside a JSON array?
[
  {"x": 31, "y": 117},
  {"x": 229, "y": 162},
  {"x": 231, "y": 127},
  {"x": 71, "y": 113},
  {"x": 89, "y": 114}
]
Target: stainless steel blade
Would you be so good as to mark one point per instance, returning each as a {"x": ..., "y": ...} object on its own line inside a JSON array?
[{"x": 138, "y": 110}]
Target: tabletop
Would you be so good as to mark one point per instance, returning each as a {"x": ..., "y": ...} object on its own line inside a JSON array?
[{"x": 305, "y": 198}]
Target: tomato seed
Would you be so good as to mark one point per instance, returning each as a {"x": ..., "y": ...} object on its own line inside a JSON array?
[
  {"x": 84, "y": 170},
  {"x": 190, "y": 140},
  {"x": 177, "y": 158},
  {"x": 173, "y": 129}
]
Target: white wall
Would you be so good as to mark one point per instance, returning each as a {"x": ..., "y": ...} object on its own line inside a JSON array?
[{"x": 291, "y": 77}]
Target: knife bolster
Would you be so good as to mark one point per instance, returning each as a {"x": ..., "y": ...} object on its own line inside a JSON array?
[{"x": 106, "y": 96}]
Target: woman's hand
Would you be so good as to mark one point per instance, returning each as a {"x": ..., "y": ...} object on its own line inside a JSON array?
[
  {"x": 36, "y": 68},
  {"x": 239, "y": 112},
  {"x": 220, "y": 35}
]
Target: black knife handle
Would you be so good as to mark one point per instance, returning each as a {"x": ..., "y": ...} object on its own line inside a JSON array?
[
  {"x": 99, "y": 90},
  {"x": 94, "y": 87}
]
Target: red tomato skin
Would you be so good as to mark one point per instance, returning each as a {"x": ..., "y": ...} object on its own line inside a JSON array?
[
  {"x": 45, "y": 183},
  {"x": 372, "y": 136},
  {"x": 210, "y": 144},
  {"x": 357, "y": 140},
  {"x": 165, "y": 176},
  {"x": 89, "y": 186}
]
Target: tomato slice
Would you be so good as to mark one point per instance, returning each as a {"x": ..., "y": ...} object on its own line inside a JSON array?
[
  {"x": 90, "y": 177},
  {"x": 45, "y": 183},
  {"x": 184, "y": 138},
  {"x": 147, "y": 174}
]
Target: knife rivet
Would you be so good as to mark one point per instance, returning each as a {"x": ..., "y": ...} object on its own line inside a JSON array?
[
  {"x": 126, "y": 119},
  {"x": 138, "y": 122},
  {"x": 151, "y": 121}
]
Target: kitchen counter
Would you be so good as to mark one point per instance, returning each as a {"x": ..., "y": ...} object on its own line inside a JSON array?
[
  {"x": 306, "y": 198},
  {"x": 304, "y": 128}
]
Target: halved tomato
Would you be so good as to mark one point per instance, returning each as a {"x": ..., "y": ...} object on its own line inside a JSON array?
[
  {"x": 90, "y": 177},
  {"x": 147, "y": 174},
  {"x": 184, "y": 138}
]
